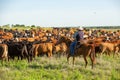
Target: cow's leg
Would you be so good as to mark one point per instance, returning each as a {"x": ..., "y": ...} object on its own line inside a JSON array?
[
  {"x": 48, "y": 54},
  {"x": 28, "y": 58},
  {"x": 13, "y": 57},
  {"x": 103, "y": 50},
  {"x": 27, "y": 54},
  {"x": 31, "y": 58},
  {"x": 86, "y": 62},
  {"x": 56, "y": 55},
  {"x": 51, "y": 54},
  {"x": 109, "y": 53},
  {"x": 21, "y": 57},
  {"x": 18, "y": 57},
  {"x": 64, "y": 53},
  {"x": 31, "y": 55},
  {"x": 116, "y": 52},
  {"x": 3, "y": 58},
  {"x": 59, "y": 54},
  {"x": 6, "y": 58},
  {"x": 2, "y": 61},
  {"x": 35, "y": 54}
]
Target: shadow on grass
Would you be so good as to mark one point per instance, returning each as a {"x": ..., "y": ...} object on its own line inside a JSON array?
[
  {"x": 35, "y": 66},
  {"x": 48, "y": 66}
]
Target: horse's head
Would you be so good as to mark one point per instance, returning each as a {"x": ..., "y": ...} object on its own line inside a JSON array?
[{"x": 64, "y": 39}]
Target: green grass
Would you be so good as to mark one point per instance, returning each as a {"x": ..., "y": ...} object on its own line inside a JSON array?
[{"x": 43, "y": 68}]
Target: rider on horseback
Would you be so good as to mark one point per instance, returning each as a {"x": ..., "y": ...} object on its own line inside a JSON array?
[{"x": 78, "y": 36}]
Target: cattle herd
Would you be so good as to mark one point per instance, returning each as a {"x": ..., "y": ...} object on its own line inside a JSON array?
[{"x": 27, "y": 44}]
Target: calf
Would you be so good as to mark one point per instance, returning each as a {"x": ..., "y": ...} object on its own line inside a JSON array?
[
  {"x": 43, "y": 48},
  {"x": 60, "y": 49},
  {"x": 108, "y": 47}
]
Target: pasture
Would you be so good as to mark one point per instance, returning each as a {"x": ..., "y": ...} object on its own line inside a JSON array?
[{"x": 44, "y": 68}]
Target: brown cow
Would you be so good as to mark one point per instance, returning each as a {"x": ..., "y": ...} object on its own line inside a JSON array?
[
  {"x": 3, "y": 52},
  {"x": 108, "y": 47},
  {"x": 43, "y": 48},
  {"x": 60, "y": 49}
]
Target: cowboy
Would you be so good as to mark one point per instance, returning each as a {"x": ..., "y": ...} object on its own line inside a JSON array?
[{"x": 78, "y": 39}]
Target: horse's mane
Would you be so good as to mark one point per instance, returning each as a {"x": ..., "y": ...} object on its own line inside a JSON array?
[{"x": 66, "y": 40}]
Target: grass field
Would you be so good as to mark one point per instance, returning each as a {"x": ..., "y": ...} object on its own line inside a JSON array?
[{"x": 43, "y": 68}]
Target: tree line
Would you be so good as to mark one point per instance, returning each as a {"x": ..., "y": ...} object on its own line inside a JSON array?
[{"x": 33, "y": 26}]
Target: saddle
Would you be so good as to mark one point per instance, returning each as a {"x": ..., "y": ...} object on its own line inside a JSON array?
[{"x": 78, "y": 45}]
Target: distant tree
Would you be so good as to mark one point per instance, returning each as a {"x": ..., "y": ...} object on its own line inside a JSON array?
[
  {"x": 6, "y": 26},
  {"x": 22, "y": 25},
  {"x": 12, "y": 25},
  {"x": 28, "y": 26},
  {"x": 38, "y": 26},
  {"x": 16, "y": 25},
  {"x": 32, "y": 25}
]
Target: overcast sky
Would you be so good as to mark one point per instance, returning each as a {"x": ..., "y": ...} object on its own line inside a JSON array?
[{"x": 60, "y": 12}]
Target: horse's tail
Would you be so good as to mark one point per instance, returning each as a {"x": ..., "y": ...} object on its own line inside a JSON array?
[{"x": 93, "y": 53}]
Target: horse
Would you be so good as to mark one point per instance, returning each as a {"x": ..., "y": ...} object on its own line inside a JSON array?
[{"x": 85, "y": 50}]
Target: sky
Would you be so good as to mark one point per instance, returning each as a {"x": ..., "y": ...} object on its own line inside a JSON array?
[{"x": 60, "y": 13}]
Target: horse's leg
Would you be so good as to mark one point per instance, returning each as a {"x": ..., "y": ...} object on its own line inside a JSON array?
[
  {"x": 68, "y": 58},
  {"x": 73, "y": 60},
  {"x": 85, "y": 61},
  {"x": 92, "y": 60}
]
